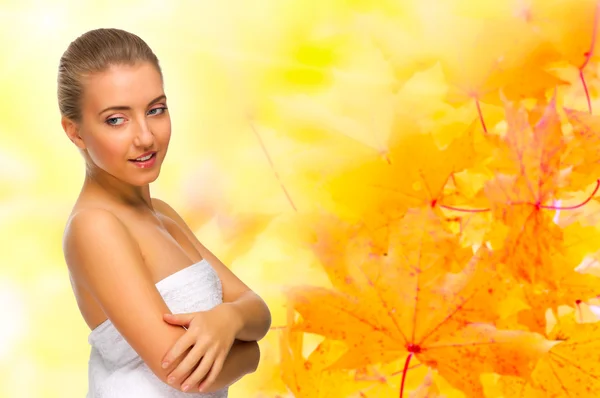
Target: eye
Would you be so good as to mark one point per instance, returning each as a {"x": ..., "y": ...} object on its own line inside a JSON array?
[
  {"x": 115, "y": 121},
  {"x": 157, "y": 111}
]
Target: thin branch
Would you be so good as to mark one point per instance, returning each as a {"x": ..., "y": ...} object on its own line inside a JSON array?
[{"x": 264, "y": 149}]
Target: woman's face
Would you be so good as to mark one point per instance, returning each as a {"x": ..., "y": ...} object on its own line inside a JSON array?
[{"x": 125, "y": 127}]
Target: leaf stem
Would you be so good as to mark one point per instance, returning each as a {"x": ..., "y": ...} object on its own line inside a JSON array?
[
  {"x": 465, "y": 210},
  {"x": 404, "y": 371},
  {"x": 480, "y": 115},
  {"x": 549, "y": 207},
  {"x": 576, "y": 206},
  {"x": 585, "y": 89},
  {"x": 588, "y": 56}
]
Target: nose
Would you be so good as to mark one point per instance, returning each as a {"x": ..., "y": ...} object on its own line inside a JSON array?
[{"x": 144, "y": 137}]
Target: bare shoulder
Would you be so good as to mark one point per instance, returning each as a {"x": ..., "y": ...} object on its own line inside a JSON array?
[
  {"x": 91, "y": 221},
  {"x": 90, "y": 230}
]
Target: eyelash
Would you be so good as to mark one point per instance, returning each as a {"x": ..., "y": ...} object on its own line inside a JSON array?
[{"x": 162, "y": 108}]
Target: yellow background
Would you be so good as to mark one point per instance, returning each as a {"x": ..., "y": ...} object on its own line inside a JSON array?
[{"x": 227, "y": 64}]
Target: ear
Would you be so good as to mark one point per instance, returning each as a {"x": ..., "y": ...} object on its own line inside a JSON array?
[{"x": 72, "y": 129}]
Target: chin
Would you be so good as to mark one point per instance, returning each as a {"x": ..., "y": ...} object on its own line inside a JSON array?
[{"x": 141, "y": 181}]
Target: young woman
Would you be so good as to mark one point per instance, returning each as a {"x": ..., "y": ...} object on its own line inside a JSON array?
[{"x": 132, "y": 260}]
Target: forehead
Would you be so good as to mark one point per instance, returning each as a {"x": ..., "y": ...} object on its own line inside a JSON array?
[{"x": 122, "y": 85}]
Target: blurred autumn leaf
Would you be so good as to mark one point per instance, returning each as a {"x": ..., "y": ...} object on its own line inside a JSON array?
[{"x": 452, "y": 150}]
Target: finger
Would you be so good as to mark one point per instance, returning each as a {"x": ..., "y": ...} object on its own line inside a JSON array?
[
  {"x": 214, "y": 372},
  {"x": 188, "y": 364},
  {"x": 178, "y": 319},
  {"x": 180, "y": 346},
  {"x": 201, "y": 371}
]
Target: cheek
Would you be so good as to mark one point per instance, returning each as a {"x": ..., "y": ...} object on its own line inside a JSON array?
[
  {"x": 162, "y": 130},
  {"x": 106, "y": 150}
]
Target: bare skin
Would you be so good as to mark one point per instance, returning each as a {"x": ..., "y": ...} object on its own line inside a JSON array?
[{"x": 119, "y": 242}]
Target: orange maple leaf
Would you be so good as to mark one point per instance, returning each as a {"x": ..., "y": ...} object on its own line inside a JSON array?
[
  {"x": 529, "y": 244},
  {"x": 528, "y": 168},
  {"x": 399, "y": 303},
  {"x": 571, "y": 368},
  {"x": 528, "y": 163},
  {"x": 309, "y": 377}
]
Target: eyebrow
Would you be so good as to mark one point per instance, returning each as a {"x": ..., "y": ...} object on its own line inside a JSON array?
[{"x": 161, "y": 97}]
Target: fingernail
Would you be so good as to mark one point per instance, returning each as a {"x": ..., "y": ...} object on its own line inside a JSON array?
[
  {"x": 185, "y": 387},
  {"x": 165, "y": 365},
  {"x": 171, "y": 380}
]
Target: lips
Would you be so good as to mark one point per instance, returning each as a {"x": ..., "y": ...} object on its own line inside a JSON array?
[
  {"x": 144, "y": 157},
  {"x": 145, "y": 161}
]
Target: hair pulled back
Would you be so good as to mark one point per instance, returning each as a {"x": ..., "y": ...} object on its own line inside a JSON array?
[{"x": 95, "y": 51}]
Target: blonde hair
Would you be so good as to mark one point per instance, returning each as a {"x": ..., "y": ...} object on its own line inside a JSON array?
[{"x": 96, "y": 51}]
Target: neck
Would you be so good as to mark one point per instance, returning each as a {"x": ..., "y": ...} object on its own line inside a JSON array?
[{"x": 105, "y": 184}]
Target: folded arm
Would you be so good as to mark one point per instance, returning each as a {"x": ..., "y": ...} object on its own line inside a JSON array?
[{"x": 105, "y": 259}]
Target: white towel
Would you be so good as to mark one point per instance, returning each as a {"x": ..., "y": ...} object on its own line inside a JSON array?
[{"x": 117, "y": 371}]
